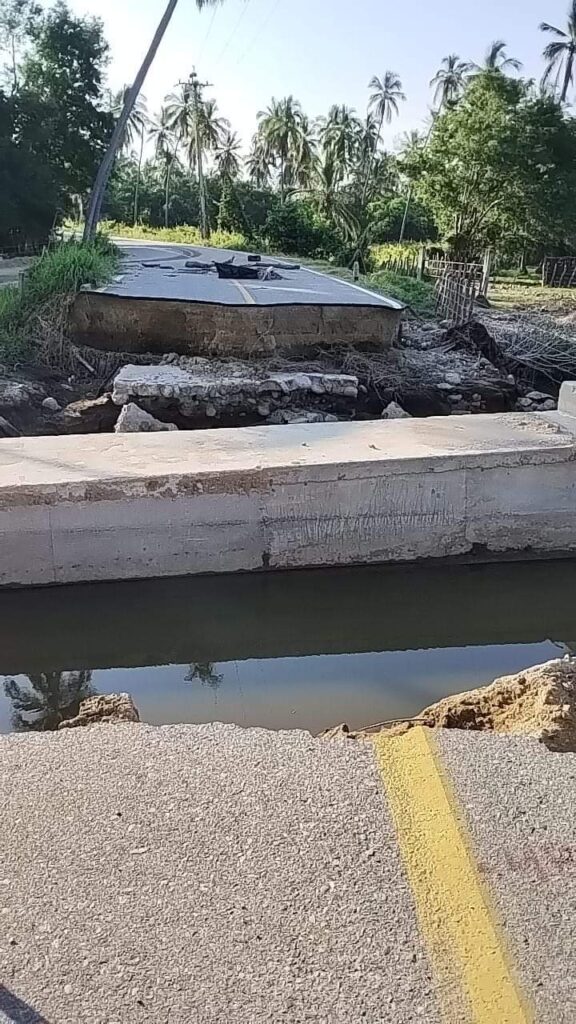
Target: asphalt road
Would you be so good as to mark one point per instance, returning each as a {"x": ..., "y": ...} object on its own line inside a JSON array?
[
  {"x": 206, "y": 874},
  {"x": 160, "y": 271}
]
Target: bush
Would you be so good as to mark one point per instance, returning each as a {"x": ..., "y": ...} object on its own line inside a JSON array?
[
  {"x": 51, "y": 283},
  {"x": 419, "y": 295},
  {"x": 185, "y": 234}
]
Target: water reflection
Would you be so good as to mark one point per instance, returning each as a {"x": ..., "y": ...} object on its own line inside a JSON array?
[
  {"x": 47, "y": 699},
  {"x": 205, "y": 673}
]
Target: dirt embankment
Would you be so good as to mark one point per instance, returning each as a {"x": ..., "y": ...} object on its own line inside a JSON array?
[{"x": 539, "y": 702}]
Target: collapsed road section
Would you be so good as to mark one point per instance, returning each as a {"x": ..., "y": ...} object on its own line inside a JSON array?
[{"x": 215, "y": 302}]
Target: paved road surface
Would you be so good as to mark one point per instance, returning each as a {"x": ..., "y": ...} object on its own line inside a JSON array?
[
  {"x": 208, "y": 874},
  {"x": 161, "y": 272}
]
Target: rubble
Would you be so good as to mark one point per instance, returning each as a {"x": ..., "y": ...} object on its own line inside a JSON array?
[
  {"x": 133, "y": 420},
  {"x": 91, "y": 415},
  {"x": 202, "y": 388},
  {"x": 393, "y": 411},
  {"x": 106, "y": 707}
]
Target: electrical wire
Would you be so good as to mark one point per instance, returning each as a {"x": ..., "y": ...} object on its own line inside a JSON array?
[
  {"x": 258, "y": 32},
  {"x": 208, "y": 31},
  {"x": 232, "y": 34}
]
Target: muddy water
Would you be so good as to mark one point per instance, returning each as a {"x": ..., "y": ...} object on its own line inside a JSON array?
[{"x": 298, "y": 650}]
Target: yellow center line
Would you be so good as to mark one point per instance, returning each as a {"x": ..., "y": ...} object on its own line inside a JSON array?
[
  {"x": 459, "y": 925},
  {"x": 248, "y": 298}
]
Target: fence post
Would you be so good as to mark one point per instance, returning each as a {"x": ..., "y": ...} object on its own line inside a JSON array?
[
  {"x": 421, "y": 268},
  {"x": 486, "y": 270}
]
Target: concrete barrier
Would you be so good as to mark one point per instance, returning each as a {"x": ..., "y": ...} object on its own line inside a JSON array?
[{"x": 102, "y": 507}]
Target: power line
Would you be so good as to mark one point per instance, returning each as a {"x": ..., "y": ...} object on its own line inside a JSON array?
[
  {"x": 232, "y": 34},
  {"x": 208, "y": 31},
  {"x": 264, "y": 24}
]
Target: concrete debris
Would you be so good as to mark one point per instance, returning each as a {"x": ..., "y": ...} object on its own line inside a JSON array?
[
  {"x": 91, "y": 415},
  {"x": 393, "y": 411},
  {"x": 133, "y": 420},
  {"x": 539, "y": 702},
  {"x": 13, "y": 395},
  {"x": 51, "y": 405},
  {"x": 107, "y": 707},
  {"x": 301, "y": 416},
  {"x": 214, "y": 389}
]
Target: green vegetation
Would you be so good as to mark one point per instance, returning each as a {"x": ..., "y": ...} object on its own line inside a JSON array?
[{"x": 29, "y": 313}]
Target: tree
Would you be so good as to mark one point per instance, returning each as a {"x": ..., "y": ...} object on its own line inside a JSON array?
[
  {"x": 64, "y": 74},
  {"x": 28, "y": 188},
  {"x": 280, "y": 130},
  {"x": 450, "y": 80},
  {"x": 228, "y": 155},
  {"x": 51, "y": 698},
  {"x": 340, "y": 135},
  {"x": 496, "y": 59},
  {"x": 560, "y": 55},
  {"x": 166, "y": 144},
  {"x": 258, "y": 162},
  {"x": 135, "y": 131},
  {"x": 107, "y": 163},
  {"x": 17, "y": 21},
  {"x": 500, "y": 168},
  {"x": 384, "y": 104}
]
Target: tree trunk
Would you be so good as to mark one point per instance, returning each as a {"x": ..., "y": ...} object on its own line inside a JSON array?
[
  {"x": 107, "y": 164},
  {"x": 372, "y": 159},
  {"x": 567, "y": 76},
  {"x": 138, "y": 177},
  {"x": 167, "y": 197},
  {"x": 405, "y": 217}
]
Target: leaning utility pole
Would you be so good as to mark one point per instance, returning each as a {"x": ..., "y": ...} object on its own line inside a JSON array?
[
  {"x": 105, "y": 169},
  {"x": 196, "y": 86}
]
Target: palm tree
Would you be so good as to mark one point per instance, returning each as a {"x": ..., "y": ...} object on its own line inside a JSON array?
[
  {"x": 384, "y": 103},
  {"x": 258, "y": 162},
  {"x": 51, "y": 698},
  {"x": 279, "y": 129},
  {"x": 560, "y": 55},
  {"x": 107, "y": 163},
  {"x": 166, "y": 151},
  {"x": 305, "y": 153},
  {"x": 136, "y": 123},
  {"x": 497, "y": 60},
  {"x": 341, "y": 135},
  {"x": 450, "y": 80},
  {"x": 228, "y": 155}
]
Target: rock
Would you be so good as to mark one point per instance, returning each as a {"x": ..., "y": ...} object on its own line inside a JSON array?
[
  {"x": 133, "y": 420},
  {"x": 51, "y": 405},
  {"x": 539, "y": 702},
  {"x": 548, "y": 406},
  {"x": 7, "y": 429},
  {"x": 455, "y": 398},
  {"x": 511, "y": 378},
  {"x": 106, "y": 707},
  {"x": 13, "y": 395},
  {"x": 393, "y": 411},
  {"x": 538, "y": 396},
  {"x": 453, "y": 378},
  {"x": 91, "y": 415},
  {"x": 445, "y": 387},
  {"x": 524, "y": 404}
]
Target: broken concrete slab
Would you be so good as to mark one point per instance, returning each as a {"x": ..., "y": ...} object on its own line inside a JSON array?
[{"x": 133, "y": 420}]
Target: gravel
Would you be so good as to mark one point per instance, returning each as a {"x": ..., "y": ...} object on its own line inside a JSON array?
[{"x": 202, "y": 874}]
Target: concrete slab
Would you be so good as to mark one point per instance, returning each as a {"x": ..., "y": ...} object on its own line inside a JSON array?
[{"x": 132, "y": 506}]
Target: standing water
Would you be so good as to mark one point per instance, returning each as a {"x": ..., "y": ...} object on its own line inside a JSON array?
[{"x": 300, "y": 650}]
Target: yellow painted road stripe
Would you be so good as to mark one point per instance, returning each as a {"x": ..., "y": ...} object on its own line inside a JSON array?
[
  {"x": 460, "y": 927},
  {"x": 248, "y": 298}
]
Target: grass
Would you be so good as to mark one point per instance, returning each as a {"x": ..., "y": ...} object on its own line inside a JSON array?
[
  {"x": 27, "y": 312},
  {"x": 419, "y": 295},
  {"x": 183, "y": 235}
]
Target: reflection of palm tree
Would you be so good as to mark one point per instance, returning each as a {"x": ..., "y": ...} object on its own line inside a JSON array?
[
  {"x": 51, "y": 698},
  {"x": 205, "y": 672}
]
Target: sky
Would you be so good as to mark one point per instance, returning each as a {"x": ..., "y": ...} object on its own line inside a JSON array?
[{"x": 321, "y": 51}]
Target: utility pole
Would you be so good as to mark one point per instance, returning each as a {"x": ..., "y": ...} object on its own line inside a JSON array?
[{"x": 196, "y": 87}]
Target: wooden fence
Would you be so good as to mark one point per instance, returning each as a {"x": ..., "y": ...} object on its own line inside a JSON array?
[
  {"x": 457, "y": 287},
  {"x": 424, "y": 268},
  {"x": 559, "y": 272}
]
